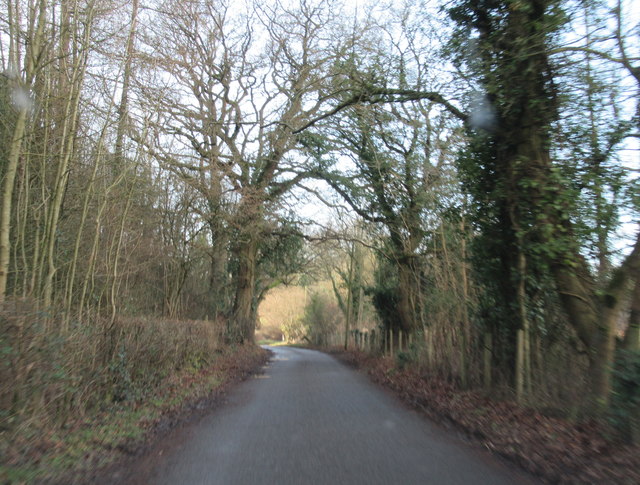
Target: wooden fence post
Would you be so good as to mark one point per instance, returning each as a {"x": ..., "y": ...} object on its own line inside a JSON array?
[
  {"x": 487, "y": 351},
  {"x": 520, "y": 359}
]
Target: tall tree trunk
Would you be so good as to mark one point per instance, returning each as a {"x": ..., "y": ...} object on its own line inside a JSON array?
[
  {"x": 58, "y": 197},
  {"x": 521, "y": 87},
  {"x": 523, "y": 374},
  {"x": 32, "y": 56},
  {"x": 80, "y": 235},
  {"x": 218, "y": 257},
  {"x": 7, "y": 199},
  {"x": 76, "y": 31},
  {"x": 349, "y": 307},
  {"x": 466, "y": 324},
  {"x": 123, "y": 108},
  {"x": 241, "y": 327},
  {"x": 632, "y": 335},
  {"x": 115, "y": 253},
  {"x": 408, "y": 294}
]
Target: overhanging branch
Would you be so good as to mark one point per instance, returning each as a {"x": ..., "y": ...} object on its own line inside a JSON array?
[{"x": 387, "y": 95}]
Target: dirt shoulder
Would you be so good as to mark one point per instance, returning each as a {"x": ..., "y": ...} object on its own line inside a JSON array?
[
  {"x": 557, "y": 450},
  {"x": 91, "y": 447}
]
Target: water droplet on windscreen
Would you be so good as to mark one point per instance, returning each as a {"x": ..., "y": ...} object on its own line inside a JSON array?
[
  {"x": 482, "y": 114},
  {"x": 21, "y": 99}
]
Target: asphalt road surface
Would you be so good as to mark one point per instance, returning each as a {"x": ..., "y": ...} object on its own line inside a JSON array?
[{"x": 311, "y": 420}]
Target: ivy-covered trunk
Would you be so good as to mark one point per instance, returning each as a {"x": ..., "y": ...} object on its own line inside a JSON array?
[
  {"x": 242, "y": 325},
  {"x": 408, "y": 295},
  {"x": 511, "y": 166},
  {"x": 632, "y": 336},
  {"x": 219, "y": 301}
]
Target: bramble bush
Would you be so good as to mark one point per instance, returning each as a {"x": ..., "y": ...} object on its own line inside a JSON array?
[
  {"x": 625, "y": 409},
  {"x": 51, "y": 373}
]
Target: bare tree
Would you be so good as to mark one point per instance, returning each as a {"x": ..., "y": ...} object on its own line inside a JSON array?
[
  {"x": 26, "y": 42},
  {"x": 238, "y": 88}
]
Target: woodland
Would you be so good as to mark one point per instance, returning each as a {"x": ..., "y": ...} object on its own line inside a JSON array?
[{"x": 462, "y": 175}]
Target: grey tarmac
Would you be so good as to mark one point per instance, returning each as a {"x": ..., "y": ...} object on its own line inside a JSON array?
[{"x": 309, "y": 419}]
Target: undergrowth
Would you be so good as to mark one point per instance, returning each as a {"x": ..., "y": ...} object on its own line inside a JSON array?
[
  {"x": 71, "y": 394},
  {"x": 557, "y": 449}
]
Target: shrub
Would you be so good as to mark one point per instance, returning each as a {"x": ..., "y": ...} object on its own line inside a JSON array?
[
  {"x": 51, "y": 372},
  {"x": 321, "y": 318},
  {"x": 625, "y": 409}
]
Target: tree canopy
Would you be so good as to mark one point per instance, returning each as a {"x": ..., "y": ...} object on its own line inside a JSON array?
[{"x": 156, "y": 153}]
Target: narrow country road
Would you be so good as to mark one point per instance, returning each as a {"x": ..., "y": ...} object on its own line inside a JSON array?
[{"x": 310, "y": 420}]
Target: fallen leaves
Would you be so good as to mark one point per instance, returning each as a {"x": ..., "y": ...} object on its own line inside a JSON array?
[{"x": 558, "y": 450}]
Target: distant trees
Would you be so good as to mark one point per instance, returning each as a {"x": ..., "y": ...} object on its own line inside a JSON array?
[{"x": 321, "y": 319}]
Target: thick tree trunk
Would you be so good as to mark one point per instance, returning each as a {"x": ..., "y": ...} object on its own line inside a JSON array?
[
  {"x": 594, "y": 317},
  {"x": 520, "y": 84},
  {"x": 408, "y": 295},
  {"x": 241, "y": 327},
  {"x": 218, "y": 303},
  {"x": 583, "y": 310},
  {"x": 632, "y": 335},
  {"x": 602, "y": 355}
]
